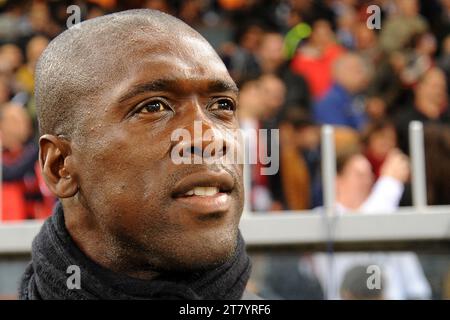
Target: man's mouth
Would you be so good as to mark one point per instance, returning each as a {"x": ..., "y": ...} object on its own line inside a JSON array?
[
  {"x": 202, "y": 191},
  {"x": 206, "y": 192}
]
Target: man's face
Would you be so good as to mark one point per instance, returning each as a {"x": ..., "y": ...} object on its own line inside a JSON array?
[
  {"x": 15, "y": 126},
  {"x": 382, "y": 142},
  {"x": 357, "y": 176},
  {"x": 127, "y": 178},
  {"x": 432, "y": 90},
  {"x": 273, "y": 93},
  {"x": 271, "y": 51}
]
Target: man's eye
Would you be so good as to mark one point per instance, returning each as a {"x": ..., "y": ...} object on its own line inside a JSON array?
[
  {"x": 223, "y": 104},
  {"x": 153, "y": 106}
]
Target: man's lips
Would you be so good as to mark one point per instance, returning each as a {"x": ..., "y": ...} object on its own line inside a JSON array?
[
  {"x": 205, "y": 192},
  {"x": 221, "y": 180}
]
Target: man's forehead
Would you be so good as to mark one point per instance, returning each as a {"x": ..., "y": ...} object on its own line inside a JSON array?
[
  {"x": 178, "y": 65},
  {"x": 184, "y": 53},
  {"x": 147, "y": 62},
  {"x": 175, "y": 44},
  {"x": 161, "y": 72}
]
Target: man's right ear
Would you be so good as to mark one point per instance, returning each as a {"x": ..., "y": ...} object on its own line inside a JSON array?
[{"x": 55, "y": 159}]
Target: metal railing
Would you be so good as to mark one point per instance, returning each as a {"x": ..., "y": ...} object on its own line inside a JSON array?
[{"x": 407, "y": 227}]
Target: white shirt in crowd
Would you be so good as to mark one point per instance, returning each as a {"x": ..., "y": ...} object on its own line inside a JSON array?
[{"x": 401, "y": 271}]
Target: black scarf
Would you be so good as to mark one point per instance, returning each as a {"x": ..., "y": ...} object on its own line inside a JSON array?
[{"x": 53, "y": 251}]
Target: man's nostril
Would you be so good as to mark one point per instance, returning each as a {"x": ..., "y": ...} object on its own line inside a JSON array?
[
  {"x": 214, "y": 149},
  {"x": 193, "y": 150},
  {"x": 224, "y": 150}
]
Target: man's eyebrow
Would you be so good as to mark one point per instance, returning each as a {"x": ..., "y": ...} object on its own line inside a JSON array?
[
  {"x": 222, "y": 86},
  {"x": 173, "y": 85},
  {"x": 155, "y": 85}
]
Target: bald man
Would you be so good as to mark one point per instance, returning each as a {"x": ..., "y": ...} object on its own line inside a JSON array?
[
  {"x": 130, "y": 222},
  {"x": 342, "y": 105}
]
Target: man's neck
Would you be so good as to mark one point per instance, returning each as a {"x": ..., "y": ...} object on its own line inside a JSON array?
[{"x": 104, "y": 251}]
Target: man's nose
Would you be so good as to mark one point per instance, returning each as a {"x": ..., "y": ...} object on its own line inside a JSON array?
[{"x": 206, "y": 141}]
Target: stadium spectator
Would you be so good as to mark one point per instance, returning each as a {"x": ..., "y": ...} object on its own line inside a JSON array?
[
  {"x": 356, "y": 191},
  {"x": 437, "y": 158},
  {"x": 239, "y": 56},
  {"x": 366, "y": 43},
  {"x": 292, "y": 185},
  {"x": 400, "y": 27},
  {"x": 13, "y": 22},
  {"x": 314, "y": 60},
  {"x": 270, "y": 60},
  {"x": 22, "y": 197},
  {"x": 420, "y": 58},
  {"x": 354, "y": 285},
  {"x": 10, "y": 59},
  {"x": 25, "y": 74},
  {"x": 260, "y": 100},
  {"x": 346, "y": 21},
  {"x": 379, "y": 139},
  {"x": 430, "y": 105},
  {"x": 444, "y": 59},
  {"x": 387, "y": 93},
  {"x": 341, "y": 104},
  {"x": 41, "y": 20}
]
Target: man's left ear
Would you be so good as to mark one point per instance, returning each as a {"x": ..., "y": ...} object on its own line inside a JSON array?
[{"x": 56, "y": 161}]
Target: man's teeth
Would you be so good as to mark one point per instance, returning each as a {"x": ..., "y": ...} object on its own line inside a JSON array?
[{"x": 203, "y": 191}]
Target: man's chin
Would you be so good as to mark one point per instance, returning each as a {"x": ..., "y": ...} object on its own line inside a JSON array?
[{"x": 202, "y": 253}]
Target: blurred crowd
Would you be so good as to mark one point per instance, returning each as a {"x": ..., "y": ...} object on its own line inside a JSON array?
[{"x": 299, "y": 64}]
